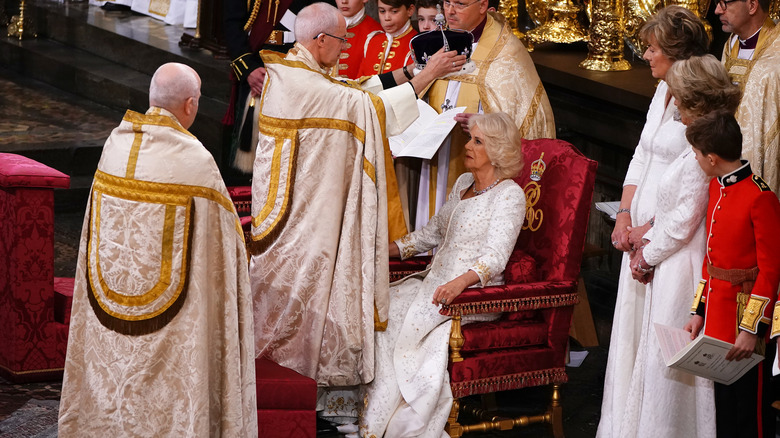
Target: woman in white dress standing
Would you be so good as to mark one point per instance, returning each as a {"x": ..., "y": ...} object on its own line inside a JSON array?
[
  {"x": 674, "y": 33},
  {"x": 667, "y": 195},
  {"x": 475, "y": 232}
]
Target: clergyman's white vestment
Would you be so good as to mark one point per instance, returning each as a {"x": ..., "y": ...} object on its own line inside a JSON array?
[
  {"x": 160, "y": 337},
  {"x": 319, "y": 241}
]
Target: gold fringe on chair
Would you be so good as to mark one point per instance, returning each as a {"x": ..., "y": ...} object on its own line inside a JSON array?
[
  {"x": 511, "y": 305},
  {"x": 508, "y": 382}
]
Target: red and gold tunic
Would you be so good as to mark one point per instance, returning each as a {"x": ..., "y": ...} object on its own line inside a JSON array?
[
  {"x": 352, "y": 55},
  {"x": 378, "y": 58},
  {"x": 743, "y": 219}
]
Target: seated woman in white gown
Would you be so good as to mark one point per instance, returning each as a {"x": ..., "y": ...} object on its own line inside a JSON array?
[{"x": 475, "y": 233}]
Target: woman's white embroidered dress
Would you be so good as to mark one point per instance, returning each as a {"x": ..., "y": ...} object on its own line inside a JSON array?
[
  {"x": 410, "y": 395},
  {"x": 642, "y": 397}
]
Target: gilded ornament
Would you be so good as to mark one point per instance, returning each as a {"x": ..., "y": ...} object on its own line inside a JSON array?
[
  {"x": 22, "y": 26},
  {"x": 605, "y": 45},
  {"x": 562, "y": 26}
]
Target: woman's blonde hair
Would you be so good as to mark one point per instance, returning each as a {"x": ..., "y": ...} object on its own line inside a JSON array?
[
  {"x": 701, "y": 85},
  {"x": 679, "y": 32},
  {"x": 503, "y": 143}
]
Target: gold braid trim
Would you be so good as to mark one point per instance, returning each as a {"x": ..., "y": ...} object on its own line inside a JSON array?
[
  {"x": 258, "y": 243},
  {"x": 379, "y": 325},
  {"x": 155, "y": 119},
  {"x": 753, "y": 312},
  {"x": 252, "y": 15},
  {"x": 508, "y": 382},
  {"x": 511, "y": 305},
  {"x": 776, "y": 321},
  {"x": 528, "y": 121},
  {"x": 156, "y": 192},
  {"x": 697, "y": 296}
]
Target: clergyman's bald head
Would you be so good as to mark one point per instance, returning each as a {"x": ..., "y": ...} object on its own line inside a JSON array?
[
  {"x": 314, "y": 19},
  {"x": 172, "y": 84}
]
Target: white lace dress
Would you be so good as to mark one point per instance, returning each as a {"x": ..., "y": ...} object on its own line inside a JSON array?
[
  {"x": 410, "y": 394},
  {"x": 641, "y": 396}
]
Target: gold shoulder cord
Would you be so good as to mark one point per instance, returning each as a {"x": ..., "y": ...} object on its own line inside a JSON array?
[{"x": 253, "y": 14}]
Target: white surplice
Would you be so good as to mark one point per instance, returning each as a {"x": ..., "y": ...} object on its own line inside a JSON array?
[
  {"x": 654, "y": 169},
  {"x": 410, "y": 395}
]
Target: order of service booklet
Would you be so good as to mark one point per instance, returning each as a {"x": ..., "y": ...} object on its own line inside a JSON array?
[
  {"x": 424, "y": 136},
  {"x": 704, "y": 357}
]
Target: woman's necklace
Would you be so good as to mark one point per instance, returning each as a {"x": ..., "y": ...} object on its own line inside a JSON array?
[{"x": 479, "y": 192}]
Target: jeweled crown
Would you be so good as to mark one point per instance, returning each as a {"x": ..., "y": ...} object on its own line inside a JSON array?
[{"x": 537, "y": 168}]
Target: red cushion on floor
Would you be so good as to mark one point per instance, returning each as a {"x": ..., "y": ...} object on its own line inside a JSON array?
[
  {"x": 273, "y": 423},
  {"x": 282, "y": 388},
  {"x": 19, "y": 171}
]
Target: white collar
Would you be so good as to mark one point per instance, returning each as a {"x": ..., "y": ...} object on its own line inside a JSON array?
[
  {"x": 355, "y": 19},
  {"x": 403, "y": 29}
]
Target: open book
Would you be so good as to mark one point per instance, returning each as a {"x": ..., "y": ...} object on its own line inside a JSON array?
[
  {"x": 423, "y": 137},
  {"x": 704, "y": 357}
]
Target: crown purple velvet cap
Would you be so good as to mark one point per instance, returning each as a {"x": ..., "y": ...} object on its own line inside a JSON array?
[{"x": 425, "y": 44}]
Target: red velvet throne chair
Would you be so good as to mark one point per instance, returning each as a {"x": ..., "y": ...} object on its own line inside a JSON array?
[
  {"x": 33, "y": 339},
  {"x": 528, "y": 345}
]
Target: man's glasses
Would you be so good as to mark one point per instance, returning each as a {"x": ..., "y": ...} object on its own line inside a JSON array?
[
  {"x": 461, "y": 6},
  {"x": 344, "y": 40},
  {"x": 725, "y": 3}
]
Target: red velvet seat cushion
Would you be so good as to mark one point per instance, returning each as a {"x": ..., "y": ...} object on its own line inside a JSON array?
[
  {"x": 498, "y": 335},
  {"x": 19, "y": 171},
  {"x": 282, "y": 388}
]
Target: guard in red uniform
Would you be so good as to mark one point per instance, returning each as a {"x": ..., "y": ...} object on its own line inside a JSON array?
[
  {"x": 388, "y": 50},
  {"x": 741, "y": 272},
  {"x": 359, "y": 27}
]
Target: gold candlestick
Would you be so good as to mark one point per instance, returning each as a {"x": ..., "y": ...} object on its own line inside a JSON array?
[{"x": 21, "y": 26}]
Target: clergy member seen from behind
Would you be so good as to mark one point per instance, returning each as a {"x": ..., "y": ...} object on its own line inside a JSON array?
[
  {"x": 741, "y": 273},
  {"x": 320, "y": 195},
  {"x": 161, "y": 330},
  {"x": 504, "y": 79}
]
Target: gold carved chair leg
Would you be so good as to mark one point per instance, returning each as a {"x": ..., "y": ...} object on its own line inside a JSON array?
[
  {"x": 453, "y": 428},
  {"x": 456, "y": 340},
  {"x": 556, "y": 411},
  {"x": 489, "y": 421}
]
